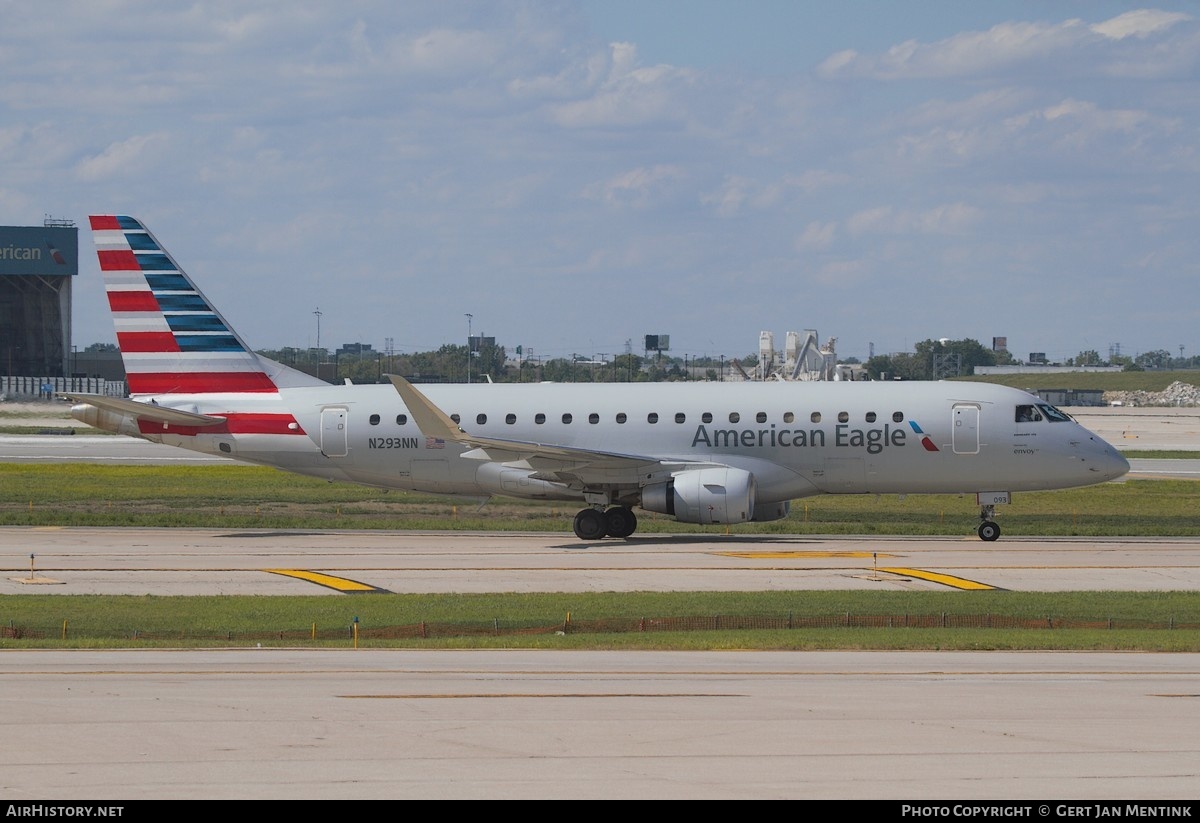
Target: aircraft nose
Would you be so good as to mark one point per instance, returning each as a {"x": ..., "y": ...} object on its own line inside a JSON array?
[{"x": 1106, "y": 461}]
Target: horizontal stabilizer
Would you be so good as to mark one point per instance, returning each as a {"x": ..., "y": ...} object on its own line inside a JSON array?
[{"x": 145, "y": 411}]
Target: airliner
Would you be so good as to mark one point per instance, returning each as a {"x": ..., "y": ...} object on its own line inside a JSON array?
[{"x": 714, "y": 453}]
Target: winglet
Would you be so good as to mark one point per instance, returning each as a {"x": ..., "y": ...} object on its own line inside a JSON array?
[{"x": 432, "y": 421}]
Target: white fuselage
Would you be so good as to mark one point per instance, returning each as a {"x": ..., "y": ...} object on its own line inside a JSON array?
[{"x": 796, "y": 438}]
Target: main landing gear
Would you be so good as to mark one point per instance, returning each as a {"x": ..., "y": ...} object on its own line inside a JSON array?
[
  {"x": 989, "y": 530},
  {"x": 595, "y": 523}
]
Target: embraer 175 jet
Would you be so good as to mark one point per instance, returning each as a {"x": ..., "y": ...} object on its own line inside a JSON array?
[{"x": 710, "y": 452}]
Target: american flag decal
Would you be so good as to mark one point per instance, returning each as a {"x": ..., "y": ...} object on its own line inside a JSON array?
[{"x": 435, "y": 443}]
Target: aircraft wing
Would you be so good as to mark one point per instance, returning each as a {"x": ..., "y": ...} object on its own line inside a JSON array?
[
  {"x": 552, "y": 462},
  {"x": 145, "y": 411}
]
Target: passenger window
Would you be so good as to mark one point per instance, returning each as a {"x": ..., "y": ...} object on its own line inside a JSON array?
[
  {"x": 567, "y": 418},
  {"x": 539, "y": 418},
  {"x": 652, "y": 417},
  {"x": 593, "y": 418},
  {"x": 815, "y": 417},
  {"x": 734, "y": 417},
  {"x": 510, "y": 418},
  {"x": 374, "y": 419},
  {"x": 761, "y": 417},
  {"x": 788, "y": 417},
  {"x": 621, "y": 417},
  {"x": 456, "y": 418},
  {"x": 401, "y": 419},
  {"x": 870, "y": 417},
  {"x": 897, "y": 417},
  {"x": 481, "y": 419},
  {"x": 843, "y": 417},
  {"x": 680, "y": 417},
  {"x": 706, "y": 417}
]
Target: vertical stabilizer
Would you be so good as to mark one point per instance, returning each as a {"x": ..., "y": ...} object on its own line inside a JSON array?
[{"x": 172, "y": 340}]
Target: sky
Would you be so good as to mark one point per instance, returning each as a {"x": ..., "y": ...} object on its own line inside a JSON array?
[{"x": 570, "y": 177}]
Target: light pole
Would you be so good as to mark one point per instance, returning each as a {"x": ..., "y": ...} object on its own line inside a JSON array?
[
  {"x": 318, "y": 314},
  {"x": 469, "y": 316}
]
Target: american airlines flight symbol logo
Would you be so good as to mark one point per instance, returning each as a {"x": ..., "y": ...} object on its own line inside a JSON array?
[{"x": 925, "y": 441}]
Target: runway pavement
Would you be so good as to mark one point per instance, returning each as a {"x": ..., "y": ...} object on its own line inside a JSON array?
[
  {"x": 51, "y": 560},
  {"x": 984, "y": 728},
  {"x": 250, "y": 723}
]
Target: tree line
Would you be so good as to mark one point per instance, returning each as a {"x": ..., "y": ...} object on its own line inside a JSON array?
[
  {"x": 930, "y": 360},
  {"x": 449, "y": 364}
]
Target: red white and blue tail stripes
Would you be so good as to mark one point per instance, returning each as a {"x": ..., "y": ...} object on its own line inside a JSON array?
[{"x": 171, "y": 338}]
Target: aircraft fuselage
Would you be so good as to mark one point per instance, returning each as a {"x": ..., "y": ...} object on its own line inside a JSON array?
[{"x": 798, "y": 439}]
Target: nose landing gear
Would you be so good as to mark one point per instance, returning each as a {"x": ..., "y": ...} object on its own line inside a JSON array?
[{"x": 989, "y": 530}]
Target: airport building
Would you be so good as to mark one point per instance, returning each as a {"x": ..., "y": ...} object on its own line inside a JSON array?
[{"x": 37, "y": 267}]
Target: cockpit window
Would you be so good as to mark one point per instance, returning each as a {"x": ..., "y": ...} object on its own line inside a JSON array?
[
  {"x": 1054, "y": 415},
  {"x": 1028, "y": 414},
  {"x": 1040, "y": 412}
]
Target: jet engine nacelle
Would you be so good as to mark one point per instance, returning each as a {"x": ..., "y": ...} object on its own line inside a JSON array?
[{"x": 715, "y": 495}]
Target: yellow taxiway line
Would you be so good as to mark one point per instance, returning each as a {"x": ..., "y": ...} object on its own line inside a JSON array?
[
  {"x": 341, "y": 584},
  {"x": 944, "y": 579}
]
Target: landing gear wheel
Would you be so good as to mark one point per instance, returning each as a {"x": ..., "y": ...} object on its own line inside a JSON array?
[
  {"x": 988, "y": 531},
  {"x": 590, "y": 525},
  {"x": 620, "y": 521}
]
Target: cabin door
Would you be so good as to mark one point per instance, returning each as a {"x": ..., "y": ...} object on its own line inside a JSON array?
[
  {"x": 966, "y": 428},
  {"x": 333, "y": 431}
]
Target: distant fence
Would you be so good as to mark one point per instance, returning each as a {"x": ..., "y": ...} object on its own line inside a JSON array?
[
  {"x": 499, "y": 628},
  {"x": 45, "y": 388}
]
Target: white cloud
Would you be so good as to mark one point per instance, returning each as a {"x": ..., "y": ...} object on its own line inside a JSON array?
[
  {"x": 636, "y": 188},
  {"x": 816, "y": 236},
  {"x": 728, "y": 199},
  {"x": 739, "y": 191},
  {"x": 877, "y": 220},
  {"x": 949, "y": 218},
  {"x": 963, "y": 54},
  {"x": 1139, "y": 23},
  {"x": 628, "y": 95},
  {"x": 444, "y": 51},
  {"x": 126, "y": 157},
  {"x": 1008, "y": 44}
]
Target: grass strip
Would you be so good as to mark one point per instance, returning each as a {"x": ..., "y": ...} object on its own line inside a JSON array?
[
  {"x": 241, "y": 496},
  {"x": 1143, "y": 621}
]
